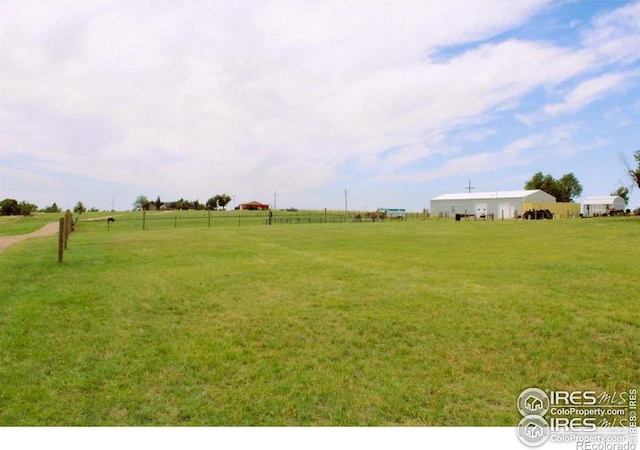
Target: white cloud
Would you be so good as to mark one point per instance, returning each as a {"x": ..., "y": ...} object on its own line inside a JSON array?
[
  {"x": 614, "y": 36},
  {"x": 477, "y": 135},
  {"x": 525, "y": 151},
  {"x": 512, "y": 155},
  {"x": 193, "y": 97},
  {"x": 585, "y": 93},
  {"x": 254, "y": 83},
  {"x": 529, "y": 119}
]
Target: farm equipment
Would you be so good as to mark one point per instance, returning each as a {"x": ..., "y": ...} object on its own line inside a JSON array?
[{"x": 537, "y": 214}]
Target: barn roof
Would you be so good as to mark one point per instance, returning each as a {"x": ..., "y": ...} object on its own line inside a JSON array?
[
  {"x": 601, "y": 200},
  {"x": 487, "y": 195},
  {"x": 254, "y": 203}
]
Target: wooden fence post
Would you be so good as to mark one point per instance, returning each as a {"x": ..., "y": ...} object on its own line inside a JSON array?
[
  {"x": 68, "y": 220},
  {"x": 61, "y": 233},
  {"x": 144, "y": 219}
]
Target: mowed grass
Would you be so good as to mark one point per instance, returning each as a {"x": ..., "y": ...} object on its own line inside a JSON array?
[
  {"x": 417, "y": 323},
  {"x": 14, "y": 225}
]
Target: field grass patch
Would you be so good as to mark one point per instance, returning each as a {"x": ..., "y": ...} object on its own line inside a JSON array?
[{"x": 415, "y": 323}]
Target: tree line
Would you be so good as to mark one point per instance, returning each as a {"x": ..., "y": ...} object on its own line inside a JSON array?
[
  {"x": 564, "y": 189},
  {"x": 11, "y": 207},
  {"x": 218, "y": 201}
]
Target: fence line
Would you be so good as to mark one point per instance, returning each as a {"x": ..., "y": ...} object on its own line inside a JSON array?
[{"x": 145, "y": 220}]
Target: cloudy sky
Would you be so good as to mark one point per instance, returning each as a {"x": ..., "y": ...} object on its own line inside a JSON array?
[{"x": 394, "y": 101}]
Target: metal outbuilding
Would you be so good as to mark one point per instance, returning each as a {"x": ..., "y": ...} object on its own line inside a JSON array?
[
  {"x": 602, "y": 205},
  {"x": 393, "y": 213},
  {"x": 500, "y": 204}
]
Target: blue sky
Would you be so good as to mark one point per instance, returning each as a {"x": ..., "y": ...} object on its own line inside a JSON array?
[{"x": 394, "y": 101}]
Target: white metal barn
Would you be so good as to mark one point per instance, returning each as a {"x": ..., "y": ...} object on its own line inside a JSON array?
[
  {"x": 602, "y": 204},
  {"x": 502, "y": 204}
]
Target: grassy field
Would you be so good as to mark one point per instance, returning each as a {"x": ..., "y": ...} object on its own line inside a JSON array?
[
  {"x": 395, "y": 323},
  {"x": 171, "y": 219},
  {"x": 14, "y": 225}
]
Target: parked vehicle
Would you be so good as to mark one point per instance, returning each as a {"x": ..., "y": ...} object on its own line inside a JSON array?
[{"x": 537, "y": 214}]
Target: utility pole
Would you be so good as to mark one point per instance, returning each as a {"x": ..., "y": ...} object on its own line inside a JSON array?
[
  {"x": 345, "y": 203},
  {"x": 469, "y": 187},
  {"x": 274, "y": 200}
]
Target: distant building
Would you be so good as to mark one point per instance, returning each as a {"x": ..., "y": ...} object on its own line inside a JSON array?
[
  {"x": 393, "y": 213},
  {"x": 500, "y": 204},
  {"x": 602, "y": 205},
  {"x": 254, "y": 206}
]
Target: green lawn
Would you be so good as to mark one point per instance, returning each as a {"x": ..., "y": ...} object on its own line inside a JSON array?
[
  {"x": 14, "y": 225},
  {"x": 395, "y": 323}
]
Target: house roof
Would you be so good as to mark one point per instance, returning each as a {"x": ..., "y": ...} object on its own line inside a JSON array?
[
  {"x": 254, "y": 203},
  {"x": 601, "y": 200},
  {"x": 487, "y": 195}
]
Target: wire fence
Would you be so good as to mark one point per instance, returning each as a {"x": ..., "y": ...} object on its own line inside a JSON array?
[{"x": 155, "y": 220}]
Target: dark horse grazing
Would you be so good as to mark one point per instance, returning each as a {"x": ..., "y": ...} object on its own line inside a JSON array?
[{"x": 110, "y": 219}]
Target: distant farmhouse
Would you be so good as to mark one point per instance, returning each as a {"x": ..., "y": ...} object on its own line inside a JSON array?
[
  {"x": 603, "y": 205},
  {"x": 253, "y": 206},
  {"x": 500, "y": 204}
]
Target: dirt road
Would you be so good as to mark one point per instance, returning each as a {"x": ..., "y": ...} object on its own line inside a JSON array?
[{"x": 48, "y": 230}]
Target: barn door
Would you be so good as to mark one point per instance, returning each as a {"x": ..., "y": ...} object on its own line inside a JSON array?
[{"x": 505, "y": 211}]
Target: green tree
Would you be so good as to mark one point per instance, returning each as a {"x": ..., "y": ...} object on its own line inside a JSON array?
[
  {"x": 622, "y": 192},
  {"x": 9, "y": 207},
  {"x": 52, "y": 209},
  {"x": 635, "y": 173},
  {"x": 218, "y": 201},
  {"x": 26, "y": 209},
  {"x": 564, "y": 189},
  {"x": 181, "y": 204},
  {"x": 79, "y": 208},
  {"x": 141, "y": 203},
  {"x": 158, "y": 203},
  {"x": 569, "y": 187},
  {"x": 541, "y": 181}
]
